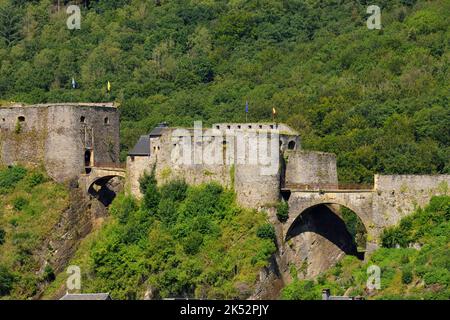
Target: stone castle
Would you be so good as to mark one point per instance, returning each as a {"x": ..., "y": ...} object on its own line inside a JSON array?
[{"x": 81, "y": 141}]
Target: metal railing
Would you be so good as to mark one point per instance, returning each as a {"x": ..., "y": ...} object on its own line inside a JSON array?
[{"x": 327, "y": 186}]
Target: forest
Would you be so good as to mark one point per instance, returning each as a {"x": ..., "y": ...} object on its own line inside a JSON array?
[{"x": 377, "y": 98}]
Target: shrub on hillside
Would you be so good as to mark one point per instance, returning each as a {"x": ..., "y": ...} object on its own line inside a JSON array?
[
  {"x": 2, "y": 236},
  {"x": 174, "y": 190},
  {"x": 20, "y": 203},
  {"x": 36, "y": 178},
  {"x": 407, "y": 276},
  {"x": 283, "y": 211},
  {"x": 266, "y": 231},
  {"x": 6, "y": 281},
  {"x": 10, "y": 177}
]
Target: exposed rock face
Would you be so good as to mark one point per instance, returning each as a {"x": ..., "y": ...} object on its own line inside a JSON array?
[
  {"x": 315, "y": 243},
  {"x": 270, "y": 282},
  {"x": 76, "y": 222}
]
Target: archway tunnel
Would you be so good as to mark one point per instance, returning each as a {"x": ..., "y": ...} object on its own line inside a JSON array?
[
  {"x": 106, "y": 188},
  {"x": 322, "y": 235}
]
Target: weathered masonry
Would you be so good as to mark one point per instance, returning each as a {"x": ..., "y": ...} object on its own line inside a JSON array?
[
  {"x": 69, "y": 139},
  {"x": 180, "y": 153},
  {"x": 306, "y": 179}
]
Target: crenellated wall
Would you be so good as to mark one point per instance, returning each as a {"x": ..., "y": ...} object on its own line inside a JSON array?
[{"x": 232, "y": 156}]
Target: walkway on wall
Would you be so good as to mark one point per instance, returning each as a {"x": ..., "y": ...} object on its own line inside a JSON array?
[{"x": 341, "y": 187}]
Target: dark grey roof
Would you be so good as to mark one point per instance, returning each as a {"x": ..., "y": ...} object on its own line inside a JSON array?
[
  {"x": 86, "y": 296},
  {"x": 142, "y": 147},
  {"x": 157, "y": 131}
]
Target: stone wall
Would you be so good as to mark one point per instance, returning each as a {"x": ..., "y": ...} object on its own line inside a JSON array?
[
  {"x": 210, "y": 155},
  {"x": 396, "y": 196},
  {"x": 57, "y": 135},
  {"x": 312, "y": 168}
]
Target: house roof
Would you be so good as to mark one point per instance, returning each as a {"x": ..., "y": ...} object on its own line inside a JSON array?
[
  {"x": 157, "y": 131},
  {"x": 86, "y": 296},
  {"x": 142, "y": 147}
]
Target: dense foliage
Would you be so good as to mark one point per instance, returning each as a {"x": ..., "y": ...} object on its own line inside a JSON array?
[
  {"x": 190, "y": 241},
  {"x": 30, "y": 206},
  {"x": 377, "y": 98},
  {"x": 419, "y": 269}
]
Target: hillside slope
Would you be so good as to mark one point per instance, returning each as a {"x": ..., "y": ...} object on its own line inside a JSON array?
[
  {"x": 377, "y": 98},
  {"x": 179, "y": 241},
  {"x": 30, "y": 207}
]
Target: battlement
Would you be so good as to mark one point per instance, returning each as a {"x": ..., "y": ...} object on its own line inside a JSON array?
[{"x": 68, "y": 104}]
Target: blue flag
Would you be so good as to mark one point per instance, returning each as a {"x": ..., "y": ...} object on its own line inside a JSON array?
[{"x": 246, "y": 107}]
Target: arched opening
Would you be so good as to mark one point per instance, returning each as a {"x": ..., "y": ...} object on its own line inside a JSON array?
[
  {"x": 83, "y": 119},
  {"x": 322, "y": 235},
  {"x": 21, "y": 119},
  {"x": 106, "y": 120},
  {"x": 291, "y": 145},
  {"x": 105, "y": 189}
]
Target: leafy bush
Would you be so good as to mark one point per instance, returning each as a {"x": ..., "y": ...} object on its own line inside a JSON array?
[
  {"x": 20, "y": 203},
  {"x": 407, "y": 276},
  {"x": 148, "y": 186},
  {"x": 2, "y": 236},
  {"x": 301, "y": 290},
  {"x": 6, "y": 281},
  {"x": 437, "y": 276},
  {"x": 283, "y": 211},
  {"x": 192, "y": 243},
  {"x": 266, "y": 231},
  {"x": 174, "y": 190},
  {"x": 10, "y": 177},
  {"x": 123, "y": 207},
  {"x": 49, "y": 274},
  {"x": 36, "y": 178}
]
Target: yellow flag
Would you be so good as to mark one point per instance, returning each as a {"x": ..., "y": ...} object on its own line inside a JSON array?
[
  {"x": 274, "y": 112},
  {"x": 109, "y": 87}
]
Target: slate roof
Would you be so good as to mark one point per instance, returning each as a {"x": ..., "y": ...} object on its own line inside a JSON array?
[
  {"x": 157, "y": 131},
  {"x": 142, "y": 147},
  {"x": 86, "y": 296}
]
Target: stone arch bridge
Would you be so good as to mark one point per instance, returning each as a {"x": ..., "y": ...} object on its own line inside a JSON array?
[
  {"x": 100, "y": 175},
  {"x": 382, "y": 205}
]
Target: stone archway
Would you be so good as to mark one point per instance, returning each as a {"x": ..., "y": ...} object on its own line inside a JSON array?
[
  {"x": 319, "y": 237},
  {"x": 105, "y": 189}
]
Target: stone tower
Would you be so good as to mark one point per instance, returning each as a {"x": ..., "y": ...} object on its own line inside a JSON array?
[{"x": 67, "y": 138}]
